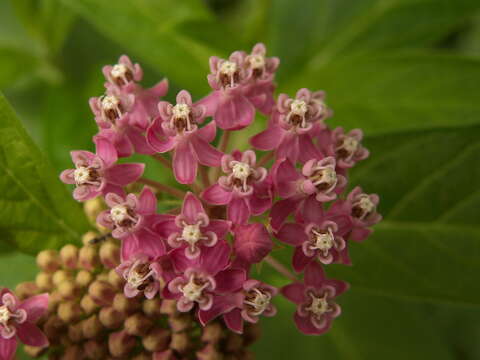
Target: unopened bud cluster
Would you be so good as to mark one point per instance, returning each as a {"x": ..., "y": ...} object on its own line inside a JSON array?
[{"x": 89, "y": 317}]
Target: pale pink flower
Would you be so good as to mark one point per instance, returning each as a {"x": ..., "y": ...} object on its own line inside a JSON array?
[{"x": 141, "y": 274}]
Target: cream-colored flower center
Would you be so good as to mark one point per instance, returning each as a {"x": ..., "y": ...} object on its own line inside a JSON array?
[
  {"x": 350, "y": 144},
  {"x": 298, "y": 107},
  {"x": 192, "y": 290},
  {"x": 325, "y": 176},
  {"x": 81, "y": 175},
  {"x": 119, "y": 213},
  {"x": 257, "y": 61},
  {"x": 119, "y": 70},
  {"x": 110, "y": 102},
  {"x": 366, "y": 204},
  {"x": 191, "y": 233},
  {"x": 181, "y": 111},
  {"x": 319, "y": 305},
  {"x": 322, "y": 241},
  {"x": 5, "y": 315},
  {"x": 241, "y": 170},
  {"x": 228, "y": 68},
  {"x": 259, "y": 301}
]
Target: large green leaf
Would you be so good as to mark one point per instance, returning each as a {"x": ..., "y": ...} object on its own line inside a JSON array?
[
  {"x": 391, "y": 92},
  {"x": 177, "y": 38},
  {"x": 36, "y": 211},
  {"x": 315, "y": 33}
]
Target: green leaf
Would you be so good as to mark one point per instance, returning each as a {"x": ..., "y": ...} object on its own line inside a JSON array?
[
  {"x": 391, "y": 92},
  {"x": 36, "y": 212},
  {"x": 316, "y": 32},
  {"x": 168, "y": 35}
]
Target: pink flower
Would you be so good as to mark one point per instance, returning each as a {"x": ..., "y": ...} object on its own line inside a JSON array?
[
  {"x": 252, "y": 242},
  {"x": 131, "y": 219},
  {"x": 141, "y": 275},
  {"x": 18, "y": 319},
  {"x": 176, "y": 129},
  {"x": 316, "y": 235},
  {"x": 96, "y": 174},
  {"x": 242, "y": 190},
  {"x": 247, "y": 303},
  {"x": 203, "y": 279},
  {"x": 314, "y": 298},
  {"x": 192, "y": 230},
  {"x": 318, "y": 179},
  {"x": 292, "y": 124},
  {"x": 362, "y": 210}
]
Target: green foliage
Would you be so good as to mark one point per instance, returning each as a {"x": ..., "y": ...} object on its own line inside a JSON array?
[{"x": 36, "y": 210}]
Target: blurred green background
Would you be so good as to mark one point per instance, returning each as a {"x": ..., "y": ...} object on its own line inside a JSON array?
[{"x": 406, "y": 71}]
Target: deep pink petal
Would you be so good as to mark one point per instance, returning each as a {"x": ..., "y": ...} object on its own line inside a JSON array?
[
  {"x": 191, "y": 207},
  {"x": 268, "y": 139},
  {"x": 139, "y": 142},
  {"x": 215, "y": 259},
  {"x": 129, "y": 247},
  {"x": 35, "y": 307},
  {"x": 339, "y": 285},
  {"x": 252, "y": 242},
  {"x": 307, "y": 149},
  {"x": 314, "y": 275},
  {"x": 124, "y": 174},
  {"x": 219, "y": 227},
  {"x": 150, "y": 243},
  {"x": 7, "y": 348},
  {"x": 147, "y": 202},
  {"x": 210, "y": 102},
  {"x": 208, "y": 132},
  {"x": 234, "y": 113},
  {"x": 289, "y": 147},
  {"x": 293, "y": 234},
  {"x": 206, "y": 154},
  {"x": 184, "y": 163},
  {"x": 230, "y": 280},
  {"x": 221, "y": 305},
  {"x": 360, "y": 233},
  {"x": 181, "y": 263},
  {"x": 216, "y": 195},
  {"x": 30, "y": 334},
  {"x": 157, "y": 139},
  {"x": 238, "y": 211},
  {"x": 294, "y": 292},
  {"x": 300, "y": 260},
  {"x": 234, "y": 321},
  {"x": 106, "y": 151},
  {"x": 312, "y": 210},
  {"x": 280, "y": 211},
  {"x": 305, "y": 325},
  {"x": 111, "y": 188}
]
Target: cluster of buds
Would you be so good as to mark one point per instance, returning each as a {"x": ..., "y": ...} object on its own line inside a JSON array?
[
  {"x": 199, "y": 254},
  {"x": 90, "y": 317}
]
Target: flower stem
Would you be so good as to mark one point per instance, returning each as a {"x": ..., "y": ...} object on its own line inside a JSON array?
[
  {"x": 204, "y": 175},
  {"x": 164, "y": 161},
  {"x": 163, "y": 188},
  {"x": 280, "y": 268},
  {"x": 224, "y": 141},
  {"x": 265, "y": 159}
]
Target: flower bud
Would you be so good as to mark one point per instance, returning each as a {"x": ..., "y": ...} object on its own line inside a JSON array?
[
  {"x": 69, "y": 311},
  {"x": 115, "y": 280},
  {"x": 92, "y": 208},
  {"x": 101, "y": 292},
  {"x": 168, "y": 307},
  {"x": 164, "y": 355},
  {"x": 73, "y": 352},
  {"x": 180, "y": 342},
  {"x": 151, "y": 307},
  {"x": 125, "y": 305},
  {"x": 111, "y": 318},
  {"x": 69, "y": 256},
  {"x": 213, "y": 333},
  {"x": 180, "y": 322},
  {"x": 156, "y": 340},
  {"x": 68, "y": 290},
  {"x": 88, "y": 237},
  {"x": 34, "y": 351},
  {"x": 48, "y": 260},
  {"x": 209, "y": 353},
  {"x": 138, "y": 324},
  {"x": 53, "y": 300},
  {"x": 75, "y": 332},
  {"x": 60, "y": 276},
  {"x": 83, "y": 278},
  {"x": 53, "y": 328},
  {"x": 234, "y": 342},
  {"x": 102, "y": 277},
  {"x": 251, "y": 333},
  {"x": 44, "y": 281},
  {"x": 120, "y": 343},
  {"x": 143, "y": 356},
  {"x": 26, "y": 289},
  {"x": 92, "y": 327},
  {"x": 88, "y": 305},
  {"x": 110, "y": 254},
  {"x": 88, "y": 258},
  {"x": 95, "y": 349}
]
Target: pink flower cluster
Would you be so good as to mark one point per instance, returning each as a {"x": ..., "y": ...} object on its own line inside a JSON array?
[{"x": 202, "y": 253}]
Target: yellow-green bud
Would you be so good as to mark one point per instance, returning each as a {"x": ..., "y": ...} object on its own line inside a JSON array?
[
  {"x": 213, "y": 333},
  {"x": 44, "y": 281},
  {"x": 125, "y": 305},
  {"x": 180, "y": 342},
  {"x": 111, "y": 318},
  {"x": 88, "y": 305},
  {"x": 138, "y": 324},
  {"x": 53, "y": 300},
  {"x": 95, "y": 350},
  {"x": 92, "y": 208},
  {"x": 168, "y": 307},
  {"x": 69, "y": 256},
  {"x": 234, "y": 342},
  {"x": 26, "y": 289},
  {"x": 110, "y": 254},
  {"x": 92, "y": 327},
  {"x": 60, "y": 276},
  {"x": 209, "y": 352},
  {"x": 143, "y": 356},
  {"x": 88, "y": 258},
  {"x": 101, "y": 292},
  {"x": 120, "y": 343},
  {"x": 34, "y": 351},
  {"x": 180, "y": 322},
  {"x": 89, "y": 236},
  {"x": 73, "y": 352},
  {"x": 83, "y": 278},
  {"x": 48, "y": 260},
  {"x": 75, "y": 332},
  {"x": 53, "y": 328},
  {"x": 68, "y": 290},
  {"x": 156, "y": 340},
  {"x": 115, "y": 280},
  {"x": 151, "y": 307},
  {"x": 69, "y": 311}
]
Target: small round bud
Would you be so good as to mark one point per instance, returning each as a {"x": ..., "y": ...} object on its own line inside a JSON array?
[
  {"x": 234, "y": 342},
  {"x": 180, "y": 342},
  {"x": 138, "y": 324},
  {"x": 53, "y": 328},
  {"x": 73, "y": 352},
  {"x": 156, "y": 340},
  {"x": 69, "y": 311},
  {"x": 209, "y": 353},
  {"x": 120, "y": 343},
  {"x": 69, "y": 256},
  {"x": 68, "y": 290},
  {"x": 48, "y": 260},
  {"x": 126, "y": 305},
  {"x": 88, "y": 258},
  {"x": 101, "y": 292},
  {"x": 103, "y": 276},
  {"x": 115, "y": 280},
  {"x": 168, "y": 307},
  {"x": 34, "y": 351},
  {"x": 88, "y": 237},
  {"x": 143, "y": 356},
  {"x": 88, "y": 305},
  {"x": 180, "y": 322},
  {"x": 165, "y": 355},
  {"x": 75, "y": 332},
  {"x": 110, "y": 254},
  {"x": 151, "y": 307},
  {"x": 83, "y": 278},
  {"x": 92, "y": 327},
  {"x": 251, "y": 333},
  {"x": 92, "y": 208},
  {"x": 111, "y": 318},
  {"x": 213, "y": 333},
  {"x": 44, "y": 281},
  {"x": 53, "y": 300},
  {"x": 60, "y": 276},
  {"x": 26, "y": 289},
  {"x": 95, "y": 350}
]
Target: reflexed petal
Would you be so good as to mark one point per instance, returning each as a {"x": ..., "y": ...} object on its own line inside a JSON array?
[
  {"x": 106, "y": 151},
  {"x": 216, "y": 195},
  {"x": 67, "y": 176},
  {"x": 252, "y": 242},
  {"x": 191, "y": 207},
  {"x": 268, "y": 139},
  {"x": 7, "y": 348},
  {"x": 293, "y": 234},
  {"x": 314, "y": 275},
  {"x": 234, "y": 321},
  {"x": 147, "y": 202},
  {"x": 157, "y": 139},
  {"x": 208, "y": 132},
  {"x": 139, "y": 142},
  {"x": 238, "y": 211},
  {"x": 206, "y": 154},
  {"x": 234, "y": 113},
  {"x": 184, "y": 163},
  {"x": 305, "y": 325},
  {"x": 300, "y": 260},
  {"x": 124, "y": 174},
  {"x": 219, "y": 227},
  {"x": 35, "y": 306},
  {"x": 215, "y": 259},
  {"x": 294, "y": 292},
  {"x": 31, "y": 335},
  {"x": 230, "y": 280}
]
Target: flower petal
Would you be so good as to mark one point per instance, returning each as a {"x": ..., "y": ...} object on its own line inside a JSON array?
[
  {"x": 268, "y": 139},
  {"x": 230, "y": 280},
  {"x": 314, "y": 275},
  {"x": 234, "y": 321},
  {"x": 293, "y": 234},
  {"x": 157, "y": 139},
  {"x": 216, "y": 195},
  {"x": 252, "y": 242},
  {"x": 219, "y": 227},
  {"x": 294, "y": 292},
  {"x": 147, "y": 202},
  {"x": 305, "y": 325},
  {"x": 30, "y": 334},
  {"x": 191, "y": 207},
  {"x": 8, "y": 348},
  {"x": 150, "y": 243},
  {"x": 215, "y": 259},
  {"x": 184, "y": 163},
  {"x": 238, "y": 211},
  {"x": 300, "y": 260},
  {"x": 234, "y": 113},
  {"x": 221, "y": 305},
  {"x": 139, "y": 142},
  {"x": 124, "y": 174},
  {"x": 208, "y": 132},
  {"x": 35, "y": 306},
  {"x": 206, "y": 154},
  {"x": 106, "y": 151}
]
